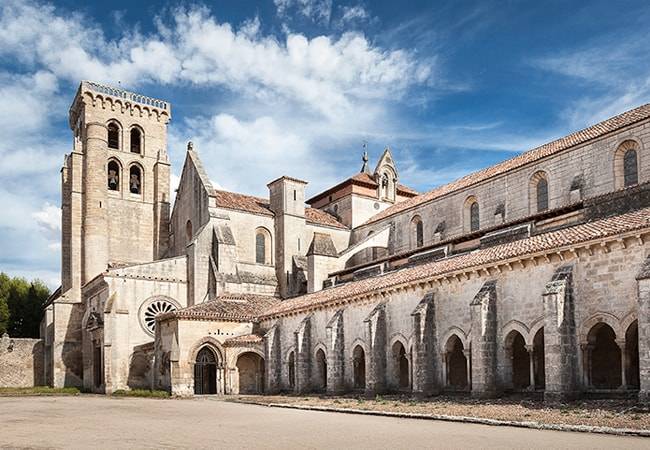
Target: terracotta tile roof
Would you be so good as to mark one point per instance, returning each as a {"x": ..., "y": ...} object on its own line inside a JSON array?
[
  {"x": 245, "y": 340},
  {"x": 235, "y": 307},
  {"x": 258, "y": 205},
  {"x": 322, "y": 218},
  {"x": 242, "y": 202},
  {"x": 573, "y": 139},
  {"x": 363, "y": 179},
  {"x": 585, "y": 232}
]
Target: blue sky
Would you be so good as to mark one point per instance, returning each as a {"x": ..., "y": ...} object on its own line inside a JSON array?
[{"x": 266, "y": 88}]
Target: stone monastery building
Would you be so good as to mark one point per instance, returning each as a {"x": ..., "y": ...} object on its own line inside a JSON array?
[{"x": 530, "y": 275}]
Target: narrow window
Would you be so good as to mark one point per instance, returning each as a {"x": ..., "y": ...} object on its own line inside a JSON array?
[
  {"x": 294, "y": 195},
  {"x": 542, "y": 195},
  {"x": 113, "y": 136},
  {"x": 135, "y": 180},
  {"x": 474, "y": 217},
  {"x": 260, "y": 248},
  {"x": 113, "y": 176},
  {"x": 136, "y": 141},
  {"x": 188, "y": 230},
  {"x": 419, "y": 233},
  {"x": 630, "y": 169}
]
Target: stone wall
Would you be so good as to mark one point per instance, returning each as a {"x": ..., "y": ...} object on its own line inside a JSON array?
[
  {"x": 593, "y": 163},
  {"x": 483, "y": 311},
  {"x": 21, "y": 362}
]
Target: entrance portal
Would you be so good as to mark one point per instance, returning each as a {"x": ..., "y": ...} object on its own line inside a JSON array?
[{"x": 205, "y": 372}]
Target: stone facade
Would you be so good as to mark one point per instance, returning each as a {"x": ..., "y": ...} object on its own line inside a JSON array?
[{"x": 530, "y": 275}]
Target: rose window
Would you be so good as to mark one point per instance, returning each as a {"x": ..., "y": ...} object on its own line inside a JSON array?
[{"x": 155, "y": 308}]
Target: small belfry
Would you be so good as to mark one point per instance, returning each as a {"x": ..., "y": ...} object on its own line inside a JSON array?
[{"x": 386, "y": 177}]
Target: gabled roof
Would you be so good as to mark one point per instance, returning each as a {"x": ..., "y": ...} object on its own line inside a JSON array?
[
  {"x": 580, "y": 137},
  {"x": 258, "y": 205},
  {"x": 361, "y": 179},
  {"x": 550, "y": 241}
]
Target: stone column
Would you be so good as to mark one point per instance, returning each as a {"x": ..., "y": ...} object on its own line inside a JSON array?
[
  {"x": 376, "y": 338},
  {"x": 531, "y": 359},
  {"x": 643, "y": 279},
  {"x": 468, "y": 361},
  {"x": 560, "y": 349},
  {"x": 272, "y": 360},
  {"x": 621, "y": 346},
  {"x": 335, "y": 354},
  {"x": 303, "y": 356},
  {"x": 484, "y": 341},
  {"x": 425, "y": 371},
  {"x": 445, "y": 369}
]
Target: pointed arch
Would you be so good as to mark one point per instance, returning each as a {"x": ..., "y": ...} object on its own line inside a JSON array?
[
  {"x": 114, "y": 174},
  {"x": 136, "y": 140},
  {"x": 136, "y": 179},
  {"x": 114, "y": 134}
]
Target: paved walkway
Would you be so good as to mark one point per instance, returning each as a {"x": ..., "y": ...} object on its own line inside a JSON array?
[{"x": 101, "y": 422}]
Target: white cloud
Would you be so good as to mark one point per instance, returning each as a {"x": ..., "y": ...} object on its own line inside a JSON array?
[
  {"x": 316, "y": 10},
  {"x": 322, "y": 73},
  {"x": 354, "y": 13},
  {"x": 48, "y": 220}
]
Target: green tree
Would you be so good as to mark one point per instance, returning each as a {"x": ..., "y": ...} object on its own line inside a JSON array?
[
  {"x": 25, "y": 302},
  {"x": 4, "y": 316}
]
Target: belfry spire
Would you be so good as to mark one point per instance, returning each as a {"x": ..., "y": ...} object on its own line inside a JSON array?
[{"x": 364, "y": 158}]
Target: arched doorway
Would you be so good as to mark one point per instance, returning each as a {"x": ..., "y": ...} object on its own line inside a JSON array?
[
  {"x": 250, "y": 366},
  {"x": 538, "y": 360},
  {"x": 321, "y": 370},
  {"x": 456, "y": 364},
  {"x": 604, "y": 357},
  {"x": 519, "y": 359},
  {"x": 292, "y": 370},
  {"x": 359, "y": 367},
  {"x": 205, "y": 372},
  {"x": 632, "y": 376},
  {"x": 400, "y": 366}
]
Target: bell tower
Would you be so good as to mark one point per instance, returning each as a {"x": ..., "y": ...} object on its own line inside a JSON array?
[{"x": 115, "y": 183}]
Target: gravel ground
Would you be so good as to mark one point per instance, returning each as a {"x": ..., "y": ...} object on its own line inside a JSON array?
[{"x": 599, "y": 413}]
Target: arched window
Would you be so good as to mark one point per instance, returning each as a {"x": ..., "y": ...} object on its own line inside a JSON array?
[
  {"x": 136, "y": 141},
  {"x": 542, "y": 195},
  {"x": 188, "y": 230},
  {"x": 538, "y": 192},
  {"x": 626, "y": 164},
  {"x": 630, "y": 169},
  {"x": 417, "y": 232},
  {"x": 262, "y": 246},
  {"x": 474, "y": 223},
  {"x": 113, "y": 136},
  {"x": 113, "y": 172},
  {"x": 135, "y": 180},
  {"x": 471, "y": 214}
]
